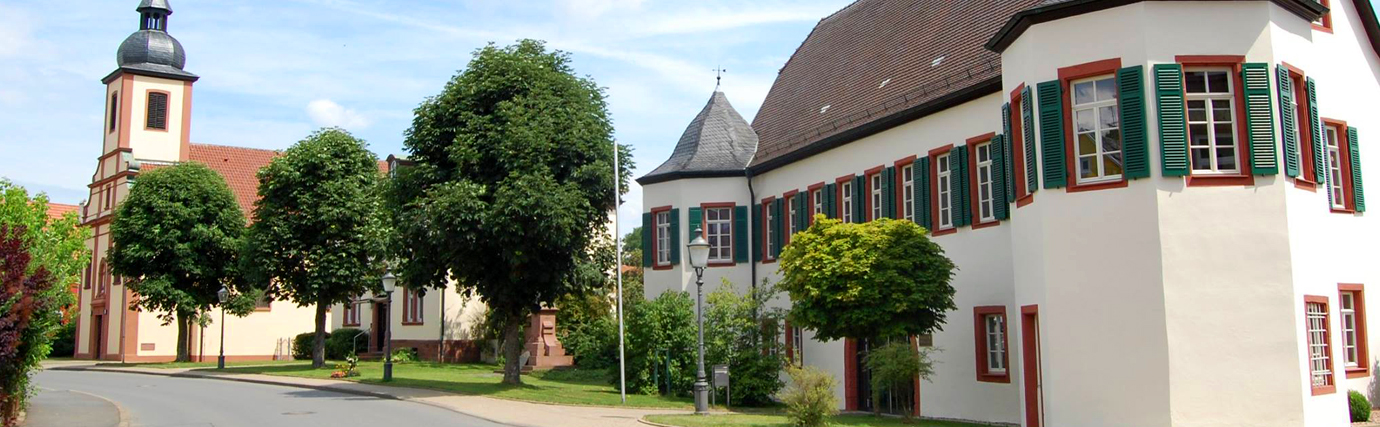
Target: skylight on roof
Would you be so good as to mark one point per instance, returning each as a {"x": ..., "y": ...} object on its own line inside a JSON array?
[
  {"x": 884, "y": 82},
  {"x": 936, "y": 61},
  {"x": 823, "y": 109}
]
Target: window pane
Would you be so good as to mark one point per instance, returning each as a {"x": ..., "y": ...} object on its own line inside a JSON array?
[
  {"x": 1083, "y": 120},
  {"x": 1202, "y": 159},
  {"x": 1106, "y": 89},
  {"x": 1226, "y": 158},
  {"x": 1087, "y": 144},
  {"x": 1197, "y": 111},
  {"x": 1085, "y": 167},
  {"x": 1197, "y": 135},
  {"x": 1111, "y": 164},
  {"x": 1083, "y": 93},
  {"x": 1224, "y": 134},
  {"x": 1217, "y": 82},
  {"x": 1194, "y": 82},
  {"x": 1221, "y": 110},
  {"x": 1109, "y": 117},
  {"x": 1111, "y": 140}
]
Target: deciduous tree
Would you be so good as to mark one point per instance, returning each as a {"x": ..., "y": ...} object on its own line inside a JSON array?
[
  {"x": 513, "y": 182},
  {"x": 176, "y": 243},
  {"x": 318, "y": 234},
  {"x": 878, "y": 279}
]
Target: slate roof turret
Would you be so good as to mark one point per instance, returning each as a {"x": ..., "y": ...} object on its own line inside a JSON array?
[{"x": 719, "y": 142}]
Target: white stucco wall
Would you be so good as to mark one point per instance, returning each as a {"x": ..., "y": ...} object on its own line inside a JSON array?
[{"x": 152, "y": 144}]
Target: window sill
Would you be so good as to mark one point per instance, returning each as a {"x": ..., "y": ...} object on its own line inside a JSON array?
[
  {"x": 985, "y": 224},
  {"x": 943, "y": 231},
  {"x": 1357, "y": 373},
  {"x": 413, "y": 323},
  {"x": 1322, "y": 28},
  {"x": 349, "y": 324},
  {"x": 1094, "y": 186},
  {"x": 994, "y": 378},
  {"x": 262, "y": 310},
  {"x": 1025, "y": 200},
  {"x": 769, "y": 261},
  {"x": 1304, "y": 184},
  {"x": 1343, "y": 211},
  {"x": 663, "y": 267},
  {"x": 721, "y": 264},
  {"x": 1319, "y": 391},
  {"x": 1219, "y": 180}
]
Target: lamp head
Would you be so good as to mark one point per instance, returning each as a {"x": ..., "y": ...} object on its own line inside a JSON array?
[
  {"x": 699, "y": 250},
  {"x": 389, "y": 281},
  {"x": 223, "y": 294}
]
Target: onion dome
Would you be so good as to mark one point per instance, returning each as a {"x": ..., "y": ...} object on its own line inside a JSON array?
[{"x": 151, "y": 50}]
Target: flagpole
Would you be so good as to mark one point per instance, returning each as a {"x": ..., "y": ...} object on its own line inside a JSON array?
[{"x": 618, "y": 244}]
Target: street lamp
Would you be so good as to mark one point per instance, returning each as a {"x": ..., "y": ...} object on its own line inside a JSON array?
[
  {"x": 224, "y": 295},
  {"x": 699, "y": 258},
  {"x": 389, "y": 282}
]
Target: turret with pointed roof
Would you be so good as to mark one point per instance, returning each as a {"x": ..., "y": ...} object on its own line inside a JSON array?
[{"x": 719, "y": 142}]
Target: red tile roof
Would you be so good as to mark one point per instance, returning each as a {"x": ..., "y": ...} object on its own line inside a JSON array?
[
  {"x": 239, "y": 166},
  {"x": 57, "y": 210},
  {"x": 874, "y": 60}
]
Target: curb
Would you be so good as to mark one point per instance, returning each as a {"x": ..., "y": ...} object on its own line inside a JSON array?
[
  {"x": 124, "y": 421},
  {"x": 124, "y": 415},
  {"x": 643, "y": 420}
]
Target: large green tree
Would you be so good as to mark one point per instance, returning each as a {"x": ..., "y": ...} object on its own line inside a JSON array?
[
  {"x": 879, "y": 279},
  {"x": 176, "y": 241},
  {"x": 39, "y": 258},
  {"x": 513, "y": 183},
  {"x": 318, "y": 233}
]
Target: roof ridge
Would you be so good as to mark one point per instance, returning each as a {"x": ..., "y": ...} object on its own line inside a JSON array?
[{"x": 235, "y": 147}]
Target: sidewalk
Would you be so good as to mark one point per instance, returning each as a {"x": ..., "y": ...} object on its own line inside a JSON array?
[
  {"x": 65, "y": 408},
  {"x": 503, "y": 411}
]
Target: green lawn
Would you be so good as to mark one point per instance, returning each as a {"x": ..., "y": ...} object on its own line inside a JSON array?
[
  {"x": 749, "y": 420},
  {"x": 571, "y": 387},
  {"x": 211, "y": 364}
]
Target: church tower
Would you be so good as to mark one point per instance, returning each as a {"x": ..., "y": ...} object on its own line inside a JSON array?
[{"x": 148, "y": 100}]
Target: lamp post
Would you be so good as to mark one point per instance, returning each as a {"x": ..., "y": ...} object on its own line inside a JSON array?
[
  {"x": 699, "y": 258},
  {"x": 224, "y": 295},
  {"x": 389, "y": 281}
]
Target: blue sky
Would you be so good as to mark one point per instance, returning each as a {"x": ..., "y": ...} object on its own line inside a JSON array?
[{"x": 273, "y": 71}]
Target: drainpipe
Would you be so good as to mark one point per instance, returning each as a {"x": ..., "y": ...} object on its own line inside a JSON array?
[
  {"x": 752, "y": 236},
  {"x": 441, "y": 345}
]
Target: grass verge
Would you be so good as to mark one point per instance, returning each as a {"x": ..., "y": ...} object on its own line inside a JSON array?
[
  {"x": 211, "y": 364},
  {"x": 568, "y": 387},
  {"x": 764, "y": 420}
]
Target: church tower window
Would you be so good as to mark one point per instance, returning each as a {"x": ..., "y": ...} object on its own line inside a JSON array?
[{"x": 158, "y": 110}]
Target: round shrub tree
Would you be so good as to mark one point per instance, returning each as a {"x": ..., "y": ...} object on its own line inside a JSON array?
[{"x": 882, "y": 278}]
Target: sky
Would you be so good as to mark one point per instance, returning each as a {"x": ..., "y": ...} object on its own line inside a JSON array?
[{"x": 274, "y": 71}]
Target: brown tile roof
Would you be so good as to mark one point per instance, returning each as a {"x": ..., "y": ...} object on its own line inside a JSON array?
[
  {"x": 57, "y": 210},
  {"x": 238, "y": 165},
  {"x": 873, "y": 61}
]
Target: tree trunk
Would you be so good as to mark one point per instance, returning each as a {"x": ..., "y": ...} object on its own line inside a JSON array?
[
  {"x": 318, "y": 349},
  {"x": 183, "y": 343},
  {"x": 512, "y": 348}
]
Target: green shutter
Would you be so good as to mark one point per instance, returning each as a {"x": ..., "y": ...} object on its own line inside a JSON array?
[
  {"x": 1032, "y": 182},
  {"x": 1260, "y": 120},
  {"x": 696, "y": 221},
  {"x": 831, "y": 198},
  {"x": 1052, "y": 133},
  {"x": 1315, "y": 124},
  {"x": 1288, "y": 124},
  {"x": 754, "y": 234},
  {"x": 740, "y": 233},
  {"x": 778, "y": 228},
  {"x": 889, "y": 192},
  {"x": 802, "y": 213},
  {"x": 1357, "y": 189},
  {"x": 675, "y": 236},
  {"x": 999, "y": 178},
  {"x": 859, "y": 204},
  {"x": 647, "y": 230},
  {"x": 1169, "y": 101},
  {"x": 922, "y": 192},
  {"x": 958, "y": 185},
  {"x": 1006, "y": 130},
  {"x": 1135, "y": 152}
]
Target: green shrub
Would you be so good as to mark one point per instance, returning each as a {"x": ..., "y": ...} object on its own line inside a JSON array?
[
  {"x": 302, "y": 345},
  {"x": 810, "y": 397},
  {"x": 405, "y": 355},
  {"x": 657, "y": 330},
  {"x": 741, "y": 332},
  {"x": 594, "y": 343},
  {"x": 341, "y": 343},
  {"x": 895, "y": 365},
  {"x": 64, "y": 343},
  {"x": 1360, "y": 407}
]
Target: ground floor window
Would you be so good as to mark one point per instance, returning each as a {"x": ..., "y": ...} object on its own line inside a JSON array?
[
  {"x": 990, "y": 334},
  {"x": 1319, "y": 345},
  {"x": 1351, "y": 304}
]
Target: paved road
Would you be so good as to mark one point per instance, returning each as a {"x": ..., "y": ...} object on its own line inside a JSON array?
[{"x": 156, "y": 401}]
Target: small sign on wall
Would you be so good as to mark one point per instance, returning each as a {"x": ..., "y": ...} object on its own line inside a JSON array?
[{"x": 148, "y": 346}]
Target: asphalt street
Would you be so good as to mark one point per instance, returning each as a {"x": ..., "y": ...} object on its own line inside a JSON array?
[{"x": 158, "y": 401}]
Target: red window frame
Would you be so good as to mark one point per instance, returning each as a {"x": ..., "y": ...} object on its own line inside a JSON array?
[
  {"x": 934, "y": 191},
  {"x": 875, "y": 172},
  {"x": 973, "y": 190},
  {"x": 1023, "y": 195},
  {"x": 412, "y": 313},
  {"x": 1233, "y": 62},
  {"x": 900, "y": 186},
  {"x": 1326, "y": 26},
  {"x": 766, "y": 231},
  {"x": 1331, "y": 355},
  {"x": 732, "y": 229},
  {"x": 984, "y": 373},
  {"x": 810, "y": 200},
  {"x": 1344, "y": 151},
  {"x": 1358, "y": 291},
  {"x": 789, "y": 199},
  {"x": 1308, "y": 175},
  {"x": 656, "y": 265},
  {"x": 838, "y": 188},
  {"x": 351, "y": 314},
  {"x": 1105, "y": 67}
]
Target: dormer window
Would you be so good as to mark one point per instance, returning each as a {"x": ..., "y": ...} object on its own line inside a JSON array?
[{"x": 158, "y": 111}]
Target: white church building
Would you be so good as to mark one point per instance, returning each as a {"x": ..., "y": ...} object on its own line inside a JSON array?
[{"x": 1156, "y": 208}]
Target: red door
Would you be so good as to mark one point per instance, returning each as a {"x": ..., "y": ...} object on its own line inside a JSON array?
[{"x": 1030, "y": 348}]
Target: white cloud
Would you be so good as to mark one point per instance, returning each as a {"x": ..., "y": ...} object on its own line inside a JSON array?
[
  {"x": 327, "y": 113},
  {"x": 15, "y": 30},
  {"x": 591, "y": 9}
]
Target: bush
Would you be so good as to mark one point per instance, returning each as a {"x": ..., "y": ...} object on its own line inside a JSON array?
[
  {"x": 302, "y": 345},
  {"x": 64, "y": 343},
  {"x": 810, "y": 397},
  {"x": 340, "y": 344},
  {"x": 405, "y": 355},
  {"x": 895, "y": 365},
  {"x": 655, "y": 331},
  {"x": 740, "y": 331},
  {"x": 1360, "y": 407},
  {"x": 594, "y": 344}
]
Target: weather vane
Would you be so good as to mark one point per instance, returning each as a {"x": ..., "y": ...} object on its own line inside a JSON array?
[{"x": 718, "y": 77}]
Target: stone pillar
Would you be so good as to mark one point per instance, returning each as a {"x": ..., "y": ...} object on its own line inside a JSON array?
[{"x": 545, "y": 350}]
